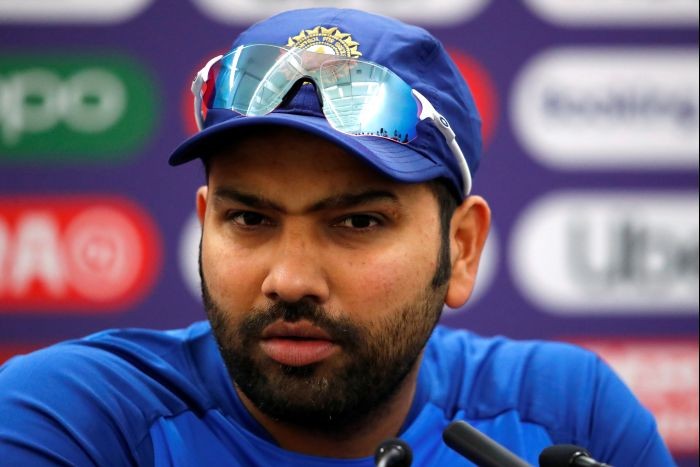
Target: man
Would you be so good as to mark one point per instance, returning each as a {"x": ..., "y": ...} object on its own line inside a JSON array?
[{"x": 336, "y": 223}]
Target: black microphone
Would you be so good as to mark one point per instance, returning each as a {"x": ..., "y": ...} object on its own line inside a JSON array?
[
  {"x": 393, "y": 453},
  {"x": 479, "y": 448},
  {"x": 568, "y": 455}
]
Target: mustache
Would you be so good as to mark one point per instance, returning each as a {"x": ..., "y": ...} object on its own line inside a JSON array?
[{"x": 341, "y": 330}]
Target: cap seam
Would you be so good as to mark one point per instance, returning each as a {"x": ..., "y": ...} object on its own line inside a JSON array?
[{"x": 434, "y": 98}]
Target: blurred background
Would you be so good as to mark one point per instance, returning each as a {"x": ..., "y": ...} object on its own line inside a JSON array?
[{"x": 590, "y": 111}]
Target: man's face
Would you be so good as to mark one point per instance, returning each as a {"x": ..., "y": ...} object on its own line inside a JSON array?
[{"x": 317, "y": 277}]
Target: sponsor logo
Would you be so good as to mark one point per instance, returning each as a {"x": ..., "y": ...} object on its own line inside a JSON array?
[
  {"x": 663, "y": 374},
  {"x": 84, "y": 255},
  {"x": 617, "y": 12},
  {"x": 483, "y": 91},
  {"x": 609, "y": 253},
  {"x": 70, "y": 11},
  {"x": 610, "y": 108},
  {"x": 412, "y": 11},
  {"x": 67, "y": 107}
]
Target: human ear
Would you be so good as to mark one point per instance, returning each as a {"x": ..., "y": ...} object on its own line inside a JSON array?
[
  {"x": 469, "y": 228},
  {"x": 201, "y": 203}
]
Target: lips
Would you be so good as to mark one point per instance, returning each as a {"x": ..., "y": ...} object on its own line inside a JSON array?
[{"x": 297, "y": 344}]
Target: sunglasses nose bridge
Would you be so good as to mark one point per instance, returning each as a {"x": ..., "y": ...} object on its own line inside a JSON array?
[{"x": 297, "y": 86}]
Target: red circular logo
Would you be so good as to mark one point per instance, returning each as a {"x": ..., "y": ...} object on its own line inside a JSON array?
[
  {"x": 483, "y": 91},
  {"x": 80, "y": 253}
]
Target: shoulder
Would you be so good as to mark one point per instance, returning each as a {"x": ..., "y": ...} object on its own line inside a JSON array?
[
  {"x": 138, "y": 364},
  {"x": 114, "y": 382},
  {"x": 545, "y": 382},
  {"x": 567, "y": 390}
]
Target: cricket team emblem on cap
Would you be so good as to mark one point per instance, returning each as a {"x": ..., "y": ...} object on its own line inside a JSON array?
[{"x": 329, "y": 41}]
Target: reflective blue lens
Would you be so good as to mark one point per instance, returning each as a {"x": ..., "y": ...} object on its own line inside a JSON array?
[
  {"x": 253, "y": 80},
  {"x": 362, "y": 98}
]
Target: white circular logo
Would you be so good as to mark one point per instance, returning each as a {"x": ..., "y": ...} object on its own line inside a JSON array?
[{"x": 189, "y": 255}]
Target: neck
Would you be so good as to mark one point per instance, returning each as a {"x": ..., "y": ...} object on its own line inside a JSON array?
[{"x": 361, "y": 441}]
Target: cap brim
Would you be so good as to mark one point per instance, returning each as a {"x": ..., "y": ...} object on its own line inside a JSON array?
[{"x": 396, "y": 160}]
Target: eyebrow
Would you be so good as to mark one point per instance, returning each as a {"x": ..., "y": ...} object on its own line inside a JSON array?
[{"x": 340, "y": 201}]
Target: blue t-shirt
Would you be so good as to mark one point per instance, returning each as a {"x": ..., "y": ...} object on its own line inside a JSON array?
[{"x": 164, "y": 398}]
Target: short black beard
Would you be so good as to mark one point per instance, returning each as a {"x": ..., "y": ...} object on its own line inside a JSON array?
[{"x": 376, "y": 361}]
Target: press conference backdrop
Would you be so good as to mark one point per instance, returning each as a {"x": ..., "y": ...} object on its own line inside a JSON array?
[{"x": 590, "y": 111}]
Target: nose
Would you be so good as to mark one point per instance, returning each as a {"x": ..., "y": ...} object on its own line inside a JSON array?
[{"x": 295, "y": 270}]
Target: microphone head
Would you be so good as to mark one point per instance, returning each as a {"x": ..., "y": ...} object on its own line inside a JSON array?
[
  {"x": 561, "y": 455},
  {"x": 393, "y": 452}
]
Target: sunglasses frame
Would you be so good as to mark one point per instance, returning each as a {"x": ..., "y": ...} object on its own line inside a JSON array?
[{"x": 427, "y": 112}]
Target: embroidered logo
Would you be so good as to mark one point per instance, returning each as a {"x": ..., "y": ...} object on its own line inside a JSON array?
[{"x": 327, "y": 41}]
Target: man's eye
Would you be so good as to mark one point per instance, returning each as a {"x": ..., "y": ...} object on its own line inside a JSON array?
[
  {"x": 359, "y": 221},
  {"x": 246, "y": 218}
]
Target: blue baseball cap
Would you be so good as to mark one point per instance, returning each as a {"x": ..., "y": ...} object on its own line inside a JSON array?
[{"x": 408, "y": 51}]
